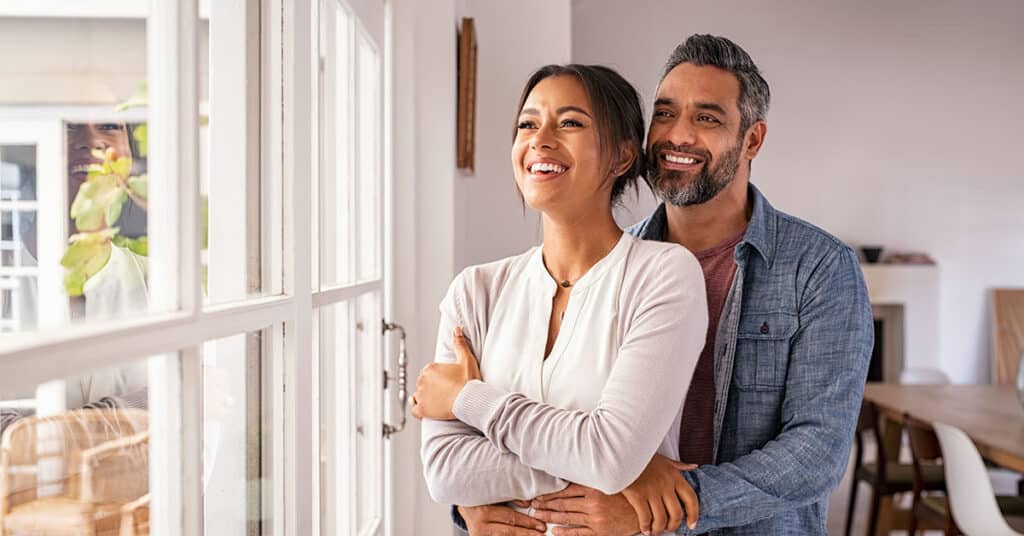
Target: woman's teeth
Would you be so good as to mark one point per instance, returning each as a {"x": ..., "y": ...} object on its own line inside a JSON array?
[{"x": 544, "y": 167}]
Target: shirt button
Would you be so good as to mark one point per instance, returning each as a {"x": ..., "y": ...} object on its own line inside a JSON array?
[{"x": 764, "y": 328}]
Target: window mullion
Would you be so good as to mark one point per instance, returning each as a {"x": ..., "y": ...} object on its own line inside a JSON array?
[
  {"x": 299, "y": 155},
  {"x": 174, "y": 261}
]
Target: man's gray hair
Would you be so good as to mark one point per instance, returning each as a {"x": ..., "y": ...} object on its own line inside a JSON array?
[{"x": 702, "y": 49}]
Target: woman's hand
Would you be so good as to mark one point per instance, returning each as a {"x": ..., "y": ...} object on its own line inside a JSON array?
[
  {"x": 656, "y": 494},
  {"x": 439, "y": 384}
]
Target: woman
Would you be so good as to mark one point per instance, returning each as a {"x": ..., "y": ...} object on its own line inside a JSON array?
[{"x": 587, "y": 343}]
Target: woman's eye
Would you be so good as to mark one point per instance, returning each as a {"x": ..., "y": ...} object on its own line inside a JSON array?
[
  {"x": 524, "y": 124},
  {"x": 571, "y": 123}
]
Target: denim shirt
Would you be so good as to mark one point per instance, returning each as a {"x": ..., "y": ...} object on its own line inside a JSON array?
[{"x": 791, "y": 358}]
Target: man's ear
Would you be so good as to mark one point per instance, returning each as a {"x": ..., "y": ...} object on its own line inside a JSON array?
[
  {"x": 754, "y": 139},
  {"x": 627, "y": 156}
]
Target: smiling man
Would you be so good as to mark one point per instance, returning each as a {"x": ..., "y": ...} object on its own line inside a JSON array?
[{"x": 771, "y": 409}]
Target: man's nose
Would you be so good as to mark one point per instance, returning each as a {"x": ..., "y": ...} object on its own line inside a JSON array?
[{"x": 682, "y": 133}]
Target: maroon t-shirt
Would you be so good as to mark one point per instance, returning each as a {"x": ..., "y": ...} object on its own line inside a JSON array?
[{"x": 697, "y": 431}]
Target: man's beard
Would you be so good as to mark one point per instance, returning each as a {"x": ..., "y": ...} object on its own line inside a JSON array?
[{"x": 670, "y": 184}]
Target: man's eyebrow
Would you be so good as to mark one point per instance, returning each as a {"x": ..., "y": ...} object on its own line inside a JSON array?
[
  {"x": 562, "y": 110},
  {"x": 664, "y": 101},
  {"x": 711, "y": 106}
]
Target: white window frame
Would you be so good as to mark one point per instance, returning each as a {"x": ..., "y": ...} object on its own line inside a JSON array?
[{"x": 287, "y": 93}]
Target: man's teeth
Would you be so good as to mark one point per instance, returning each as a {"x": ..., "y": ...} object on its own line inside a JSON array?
[
  {"x": 680, "y": 159},
  {"x": 546, "y": 167}
]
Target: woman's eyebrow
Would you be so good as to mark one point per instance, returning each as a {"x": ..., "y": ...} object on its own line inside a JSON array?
[{"x": 562, "y": 110}]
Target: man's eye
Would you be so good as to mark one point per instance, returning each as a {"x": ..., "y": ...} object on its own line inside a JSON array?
[
  {"x": 109, "y": 126},
  {"x": 707, "y": 119},
  {"x": 662, "y": 113},
  {"x": 524, "y": 124},
  {"x": 571, "y": 123}
]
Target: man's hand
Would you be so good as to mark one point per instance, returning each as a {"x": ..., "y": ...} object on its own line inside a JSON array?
[
  {"x": 439, "y": 384},
  {"x": 497, "y": 520},
  {"x": 590, "y": 511},
  {"x": 650, "y": 505},
  {"x": 656, "y": 493}
]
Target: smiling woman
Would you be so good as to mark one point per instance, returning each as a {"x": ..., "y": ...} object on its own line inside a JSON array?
[{"x": 624, "y": 322}]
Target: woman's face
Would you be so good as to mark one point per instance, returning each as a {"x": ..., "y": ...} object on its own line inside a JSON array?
[{"x": 556, "y": 155}]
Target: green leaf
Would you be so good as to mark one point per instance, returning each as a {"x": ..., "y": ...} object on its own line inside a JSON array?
[
  {"x": 122, "y": 166},
  {"x": 98, "y": 203},
  {"x": 141, "y": 135},
  {"x": 139, "y": 246},
  {"x": 84, "y": 258},
  {"x": 139, "y": 186}
]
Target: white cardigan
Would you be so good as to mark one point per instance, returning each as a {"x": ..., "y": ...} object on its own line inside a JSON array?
[{"x": 608, "y": 396}]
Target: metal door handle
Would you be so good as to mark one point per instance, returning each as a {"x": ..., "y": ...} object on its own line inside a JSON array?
[{"x": 400, "y": 378}]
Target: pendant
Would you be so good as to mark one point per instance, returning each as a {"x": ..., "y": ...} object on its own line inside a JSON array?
[{"x": 566, "y": 283}]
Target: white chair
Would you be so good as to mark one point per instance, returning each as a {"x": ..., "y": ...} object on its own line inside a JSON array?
[
  {"x": 971, "y": 497},
  {"x": 923, "y": 376}
]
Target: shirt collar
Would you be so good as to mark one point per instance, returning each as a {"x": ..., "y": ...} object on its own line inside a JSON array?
[{"x": 761, "y": 231}]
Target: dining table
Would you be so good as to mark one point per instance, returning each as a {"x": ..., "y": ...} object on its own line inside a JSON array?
[{"x": 991, "y": 415}]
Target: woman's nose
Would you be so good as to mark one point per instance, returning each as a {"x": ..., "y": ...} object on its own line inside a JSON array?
[{"x": 544, "y": 139}]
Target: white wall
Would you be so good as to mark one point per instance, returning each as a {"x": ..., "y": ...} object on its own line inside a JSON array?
[
  {"x": 446, "y": 219},
  {"x": 892, "y": 122}
]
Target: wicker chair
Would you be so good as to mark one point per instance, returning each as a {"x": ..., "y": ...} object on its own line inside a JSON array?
[{"x": 82, "y": 472}]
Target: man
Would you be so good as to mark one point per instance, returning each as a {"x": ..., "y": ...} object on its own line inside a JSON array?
[{"x": 770, "y": 413}]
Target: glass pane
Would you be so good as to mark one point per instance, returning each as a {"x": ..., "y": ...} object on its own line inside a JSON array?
[
  {"x": 17, "y": 172},
  {"x": 337, "y": 189},
  {"x": 351, "y": 389},
  {"x": 17, "y": 303},
  {"x": 232, "y": 431},
  {"x": 74, "y": 181},
  {"x": 369, "y": 178},
  {"x": 229, "y": 168},
  {"x": 80, "y": 443},
  {"x": 18, "y": 238}
]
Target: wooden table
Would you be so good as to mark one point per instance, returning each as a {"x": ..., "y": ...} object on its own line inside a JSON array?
[{"x": 991, "y": 415}]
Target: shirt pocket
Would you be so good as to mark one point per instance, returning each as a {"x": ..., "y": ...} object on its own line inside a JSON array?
[{"x": 762, "y": 350}]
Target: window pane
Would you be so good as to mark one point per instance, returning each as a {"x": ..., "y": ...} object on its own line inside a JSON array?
[
  {"x": 232, "y": 431},
  {"x": 369, "y": 178},
  {"x": 337, "y": 245},
  {"x": 74, "y": 187},
  {"x": 17, "y": 172},
  {"x": 229, "y": 162},
  {"x": 77, "y": 454},
  {"x": 351, "y": 357}
]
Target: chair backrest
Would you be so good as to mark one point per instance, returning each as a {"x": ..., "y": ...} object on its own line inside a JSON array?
[
  {"x": 971, "y": 498},
  {"x": 923, "y": 376},
  {"x": 924, "y": 448},
  {"x": 868, "y": 424},
  {"x": 44, "y": 453},
  {"x": 924, "y": 444}
]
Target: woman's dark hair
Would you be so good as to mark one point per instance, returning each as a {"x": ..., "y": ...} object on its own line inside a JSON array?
[{"x": 615, "y": 104}]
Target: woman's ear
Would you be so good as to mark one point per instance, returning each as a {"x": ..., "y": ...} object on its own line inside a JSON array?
[{"x": 627, "y": 156}]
